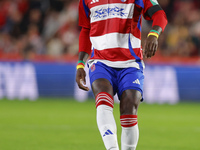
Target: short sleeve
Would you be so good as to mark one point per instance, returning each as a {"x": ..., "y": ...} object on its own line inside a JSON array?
[
  {"x": 84, "y": 13},
  {"x": 150, "y": 8}
]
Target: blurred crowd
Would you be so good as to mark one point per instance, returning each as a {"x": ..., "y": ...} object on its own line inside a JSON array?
[
  {"x": 182, "y": 35},
  {"x": 48, "y": 29},
  {"x": 39, "y": 29}
]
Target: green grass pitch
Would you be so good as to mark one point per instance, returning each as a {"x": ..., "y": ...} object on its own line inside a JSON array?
[{"x": 61, "y": 124}]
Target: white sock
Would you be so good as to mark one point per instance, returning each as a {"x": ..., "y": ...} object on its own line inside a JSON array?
[
  {"x": 130, "y": 132},
  {"x": 106, "y": 122}
]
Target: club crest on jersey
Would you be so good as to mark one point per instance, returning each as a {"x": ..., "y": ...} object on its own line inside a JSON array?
[
  {"x": 123, "y": 0},
  {"x": 93, "y": 68}
]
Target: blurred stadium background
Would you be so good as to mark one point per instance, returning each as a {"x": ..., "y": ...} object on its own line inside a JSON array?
[{"x": 38, "y": 55}]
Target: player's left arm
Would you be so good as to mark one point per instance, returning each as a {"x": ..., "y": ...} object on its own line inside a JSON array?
[{"x": 153, "y": 11}]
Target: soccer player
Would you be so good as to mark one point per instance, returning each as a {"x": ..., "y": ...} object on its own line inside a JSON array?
[{"x": 111, "y": 33}]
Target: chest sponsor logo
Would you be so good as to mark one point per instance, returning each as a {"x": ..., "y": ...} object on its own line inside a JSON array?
[{"x": 110, "y": 11}]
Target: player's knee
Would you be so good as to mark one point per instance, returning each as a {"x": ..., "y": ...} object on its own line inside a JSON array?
[
  {"x": 129, "y": 102},
  {"x": 130, "y": 107},
  {"x": 101, "y": 85}
]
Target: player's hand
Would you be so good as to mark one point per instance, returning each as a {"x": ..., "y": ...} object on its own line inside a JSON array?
[
  {"x": 80, "y": 79},
  {"x": 151, "y": 46}
]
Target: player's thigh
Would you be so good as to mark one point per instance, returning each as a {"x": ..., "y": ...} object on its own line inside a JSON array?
[
  {"x": 130, "y": 79},
  {"x": 130, "y": 90},
  {"x": 130, "y": 100},
  {"x": 101, "y": 78}
]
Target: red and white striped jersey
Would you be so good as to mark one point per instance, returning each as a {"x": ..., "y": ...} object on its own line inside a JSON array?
[{"x": 115, "y": 29}]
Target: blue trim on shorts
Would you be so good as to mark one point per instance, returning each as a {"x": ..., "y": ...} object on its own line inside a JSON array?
[{"x": 92, "y": 54}]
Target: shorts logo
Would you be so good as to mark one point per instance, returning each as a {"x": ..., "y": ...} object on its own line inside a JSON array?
[
  {"x": 136, "y": 81},
  {"x": 93, "y": 68}
]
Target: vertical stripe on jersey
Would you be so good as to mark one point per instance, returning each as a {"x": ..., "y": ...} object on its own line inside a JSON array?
[
  {"x": 139, "y": 24},
  {"x": 137, "y": 59},
  {"x": 92, "y": 55},
  {"x": 131, "y": 49},
  {"x": 87, "y": 10},
  {"x": 140, "y": 3}
]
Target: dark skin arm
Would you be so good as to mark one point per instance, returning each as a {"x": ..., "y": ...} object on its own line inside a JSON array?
[
  {"x": 151, "y": 44},
  {"x": 80, "y": 73}
]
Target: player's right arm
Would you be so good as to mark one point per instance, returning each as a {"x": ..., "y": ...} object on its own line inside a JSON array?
[
  {"x": 80, "y": 73},
  {"x": 84, "y": 44},
  {"x": 84, "y": 52}
]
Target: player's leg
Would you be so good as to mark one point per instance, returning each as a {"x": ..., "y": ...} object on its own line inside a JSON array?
[
  {"x": 129, "y": 103},
  {"x": 102, "y": 86},
  {"x": 130, "y": 93},
  {"x": 103, "y": 92}
]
